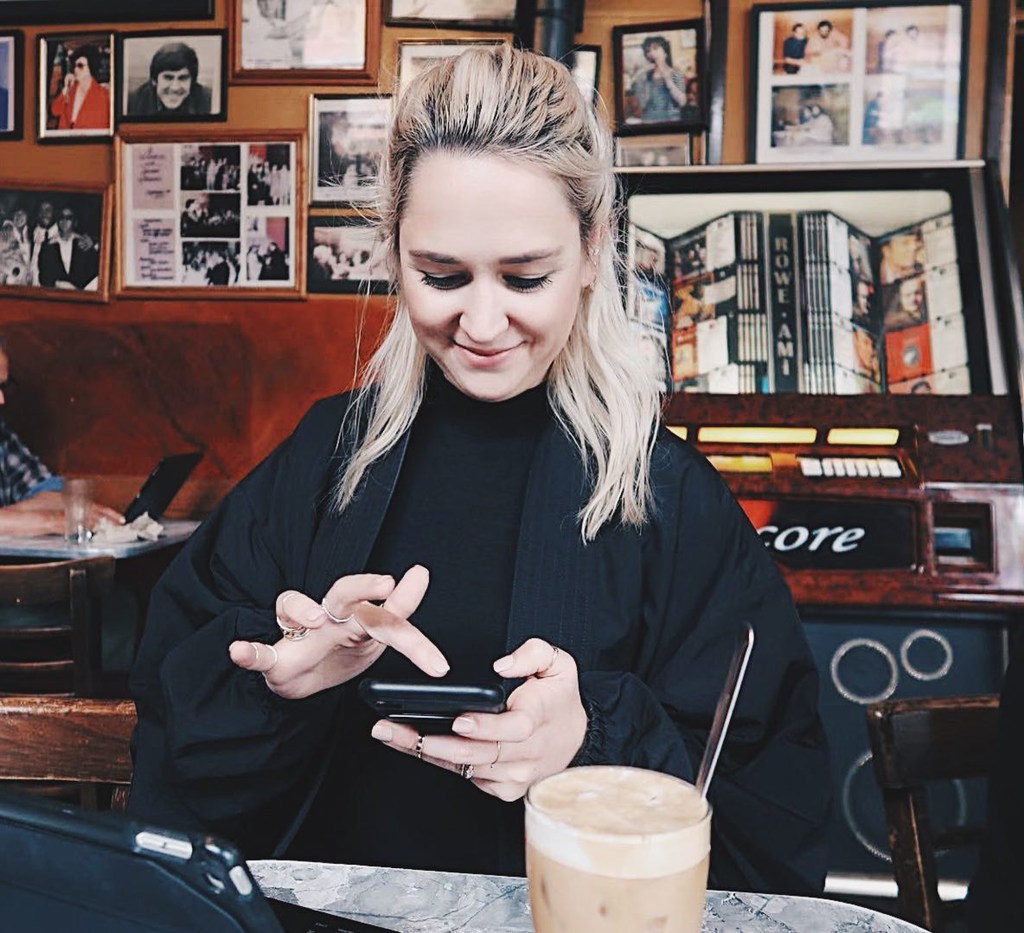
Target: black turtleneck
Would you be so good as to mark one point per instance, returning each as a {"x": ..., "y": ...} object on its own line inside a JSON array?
[{"x": 456, "y": 509}]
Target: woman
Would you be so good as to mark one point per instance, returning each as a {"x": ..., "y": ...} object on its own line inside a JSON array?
[
  {"x": 83, "y": 103},
  {"x": 509, "y": 442}
]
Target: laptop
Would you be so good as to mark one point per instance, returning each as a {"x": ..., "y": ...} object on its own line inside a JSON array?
[
  {"x": 63, "y": 868},
  {"x": 162, "y": 485}
]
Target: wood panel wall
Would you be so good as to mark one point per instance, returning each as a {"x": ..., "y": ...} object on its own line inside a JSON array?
[{"x": 106, "y": 389}]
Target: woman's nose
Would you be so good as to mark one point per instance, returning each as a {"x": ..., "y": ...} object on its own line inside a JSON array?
[{"x": 483, "y": 319}]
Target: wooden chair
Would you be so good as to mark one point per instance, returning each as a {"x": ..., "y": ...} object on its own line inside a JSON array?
[
  {"x": 914, "y": 742},
  {"x": 83, "y": 741},
  {"x": 56, "y": 657}
]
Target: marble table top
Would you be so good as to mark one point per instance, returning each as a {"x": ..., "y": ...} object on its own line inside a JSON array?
[{"x": 440, "y": 902}]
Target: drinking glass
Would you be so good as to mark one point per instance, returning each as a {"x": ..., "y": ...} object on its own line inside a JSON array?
[
  {"x": 77, "y": 505},
  {"x": 616, "y": 849}
]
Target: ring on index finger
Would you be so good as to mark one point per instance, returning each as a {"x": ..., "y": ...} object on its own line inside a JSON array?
[
  {"x": 291, "y": 632},
  {"x": 330, "y": 615}
]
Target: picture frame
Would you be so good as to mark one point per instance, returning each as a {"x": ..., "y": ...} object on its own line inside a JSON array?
[
  {"x": 644, "y": 101},
  {"x": 451, "y": 14},
  {"x": 859, "y": 82},
  {"x": 75, "y": 91},
  {"x": 347, "y": 135},
  {"x": 172, "y": 76},
  {"x": 74, "y": 12},
  {"x": 343, "y": 258},
  {"x": 661, "y": 151},
  {"x": 584, "y": 61},
  {"x": 34, "y": 260},
  {"x": 416, "y": 55},
  {"x": 209, "y": 214},
  {"x": 273, "y": 42},
  {"x": 12, "y": 50}
]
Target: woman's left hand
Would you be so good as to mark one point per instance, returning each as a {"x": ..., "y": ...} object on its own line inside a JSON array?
[{"x": 504, "y": 753}]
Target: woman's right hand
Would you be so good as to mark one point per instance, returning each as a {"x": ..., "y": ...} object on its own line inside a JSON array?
[{"x": 333, "y": 653}]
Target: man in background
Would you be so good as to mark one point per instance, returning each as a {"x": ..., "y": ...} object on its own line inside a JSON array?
[
  {"x": 71, "y": 260},
  {"x": 30, "y": 495},
  {"x": 173, "y": 88}
]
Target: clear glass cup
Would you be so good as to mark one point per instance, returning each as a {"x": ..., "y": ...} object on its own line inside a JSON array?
[
  {"x": 616, "y": 849},
  {"x": 77, "y": 506}
]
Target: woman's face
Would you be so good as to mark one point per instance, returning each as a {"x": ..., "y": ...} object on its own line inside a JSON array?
[{"x": 491, "y": 271}]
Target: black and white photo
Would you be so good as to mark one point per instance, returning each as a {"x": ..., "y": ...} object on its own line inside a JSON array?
[
  {"x": 209, "y": 213},
  {"x": 461, "y": 14},
  {"x": 288, "y": 40},
  {"x": 416, "y": 56},
  {"x": 347, "y": 136},
  {"x": 167, "y": 76},
  {"x": 344, "y": 256},
  {"x": 54, "y": 240}
]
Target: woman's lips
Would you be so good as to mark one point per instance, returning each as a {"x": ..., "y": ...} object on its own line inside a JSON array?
[{"x": 483, "y": 358}]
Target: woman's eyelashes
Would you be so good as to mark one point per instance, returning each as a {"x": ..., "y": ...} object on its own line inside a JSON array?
[{"x": 518, "y": 283}]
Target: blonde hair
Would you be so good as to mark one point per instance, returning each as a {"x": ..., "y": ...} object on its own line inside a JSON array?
[{"x": 518, "y": 105}]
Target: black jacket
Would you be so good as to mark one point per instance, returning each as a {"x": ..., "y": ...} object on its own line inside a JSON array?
[{"x": 651, "y": 619}]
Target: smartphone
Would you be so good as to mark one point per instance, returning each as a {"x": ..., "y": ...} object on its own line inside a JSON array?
[{"x": 431, "y": 708}]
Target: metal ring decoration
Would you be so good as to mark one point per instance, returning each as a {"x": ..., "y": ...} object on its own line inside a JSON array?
[
  {"x": 890, "y": 659},
  {"x": 330, "y": 615},
  {"x": 419, "y": 746},
  {"x": 467, "y": 772},
  {"x": 292, "y": 633},
  {"x": 942, "y": 670},
  {"x": 497, "y": 752}
]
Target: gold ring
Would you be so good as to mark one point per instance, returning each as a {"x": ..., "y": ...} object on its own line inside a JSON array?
[
  {"x": 419, "y": 745},
  {"x": 292, "y": 633},
  {"x": 497, "y": 753}
]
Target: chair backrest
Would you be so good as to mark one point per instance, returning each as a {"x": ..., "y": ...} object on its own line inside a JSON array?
[
  {"x": 83, "y": 741},
  {"x": 56, "y": 650},
  {"x": 914, "y": 742}
]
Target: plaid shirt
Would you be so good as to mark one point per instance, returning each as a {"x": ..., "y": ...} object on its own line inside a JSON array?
[{"x": 22, "y": 473}]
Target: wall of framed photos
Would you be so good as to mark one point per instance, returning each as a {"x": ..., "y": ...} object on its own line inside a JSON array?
[{"x": 111, "y": 386}]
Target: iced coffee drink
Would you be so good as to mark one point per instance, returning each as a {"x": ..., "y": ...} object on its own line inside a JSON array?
[{"x": 616, "y": 849}]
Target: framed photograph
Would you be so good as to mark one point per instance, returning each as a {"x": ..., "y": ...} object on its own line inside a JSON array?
[
  {"x": 417, "y": 55},
  {"x": 170, "y": 76},
  {"x": 347, "y": 136},
  {"x": 584, "y": 61},
  {"x": 659, "y": 77},
  {"x": 305, "y": 41},
  {"x": 55, "y": 241},
  {"x": 11, "y": 61},
  {"x": 858, "y": 83},
  {"x": 200, "y": 213},
  {"x": 653, "y": 151},
  {"x": 452, "y": 14},
  {"x": 76, "y": 83},
  {"x": 344, "y": 257},
  {"x": 49, "y": 12}
]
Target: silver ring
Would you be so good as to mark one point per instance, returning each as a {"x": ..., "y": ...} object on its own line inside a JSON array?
[
  {"x": 332, "y": 616},
  {"x": 419, "y": 746},
  {"x": 467, "y": 772},
  {"x": 276, "y": 658},
  {"x": 497, "y": 752},
  {"x": 292, "y": 633}
]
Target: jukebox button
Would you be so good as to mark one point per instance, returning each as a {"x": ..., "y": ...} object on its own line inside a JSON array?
[
  {"x": 810, "y": 466},
  {"x": 873, "y": 469},
  {"x": 862, "y": 466},
  {"x": 839, "y": 466},
  {"x": 890, "y": 468},
  {"x": 827, "y": 468}
]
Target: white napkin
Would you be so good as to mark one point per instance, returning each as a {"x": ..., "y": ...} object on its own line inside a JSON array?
[{"x": 142, "y": 528}]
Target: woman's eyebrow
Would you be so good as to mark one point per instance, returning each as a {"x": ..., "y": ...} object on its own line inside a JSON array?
[{"x": 442, "y": 259}]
